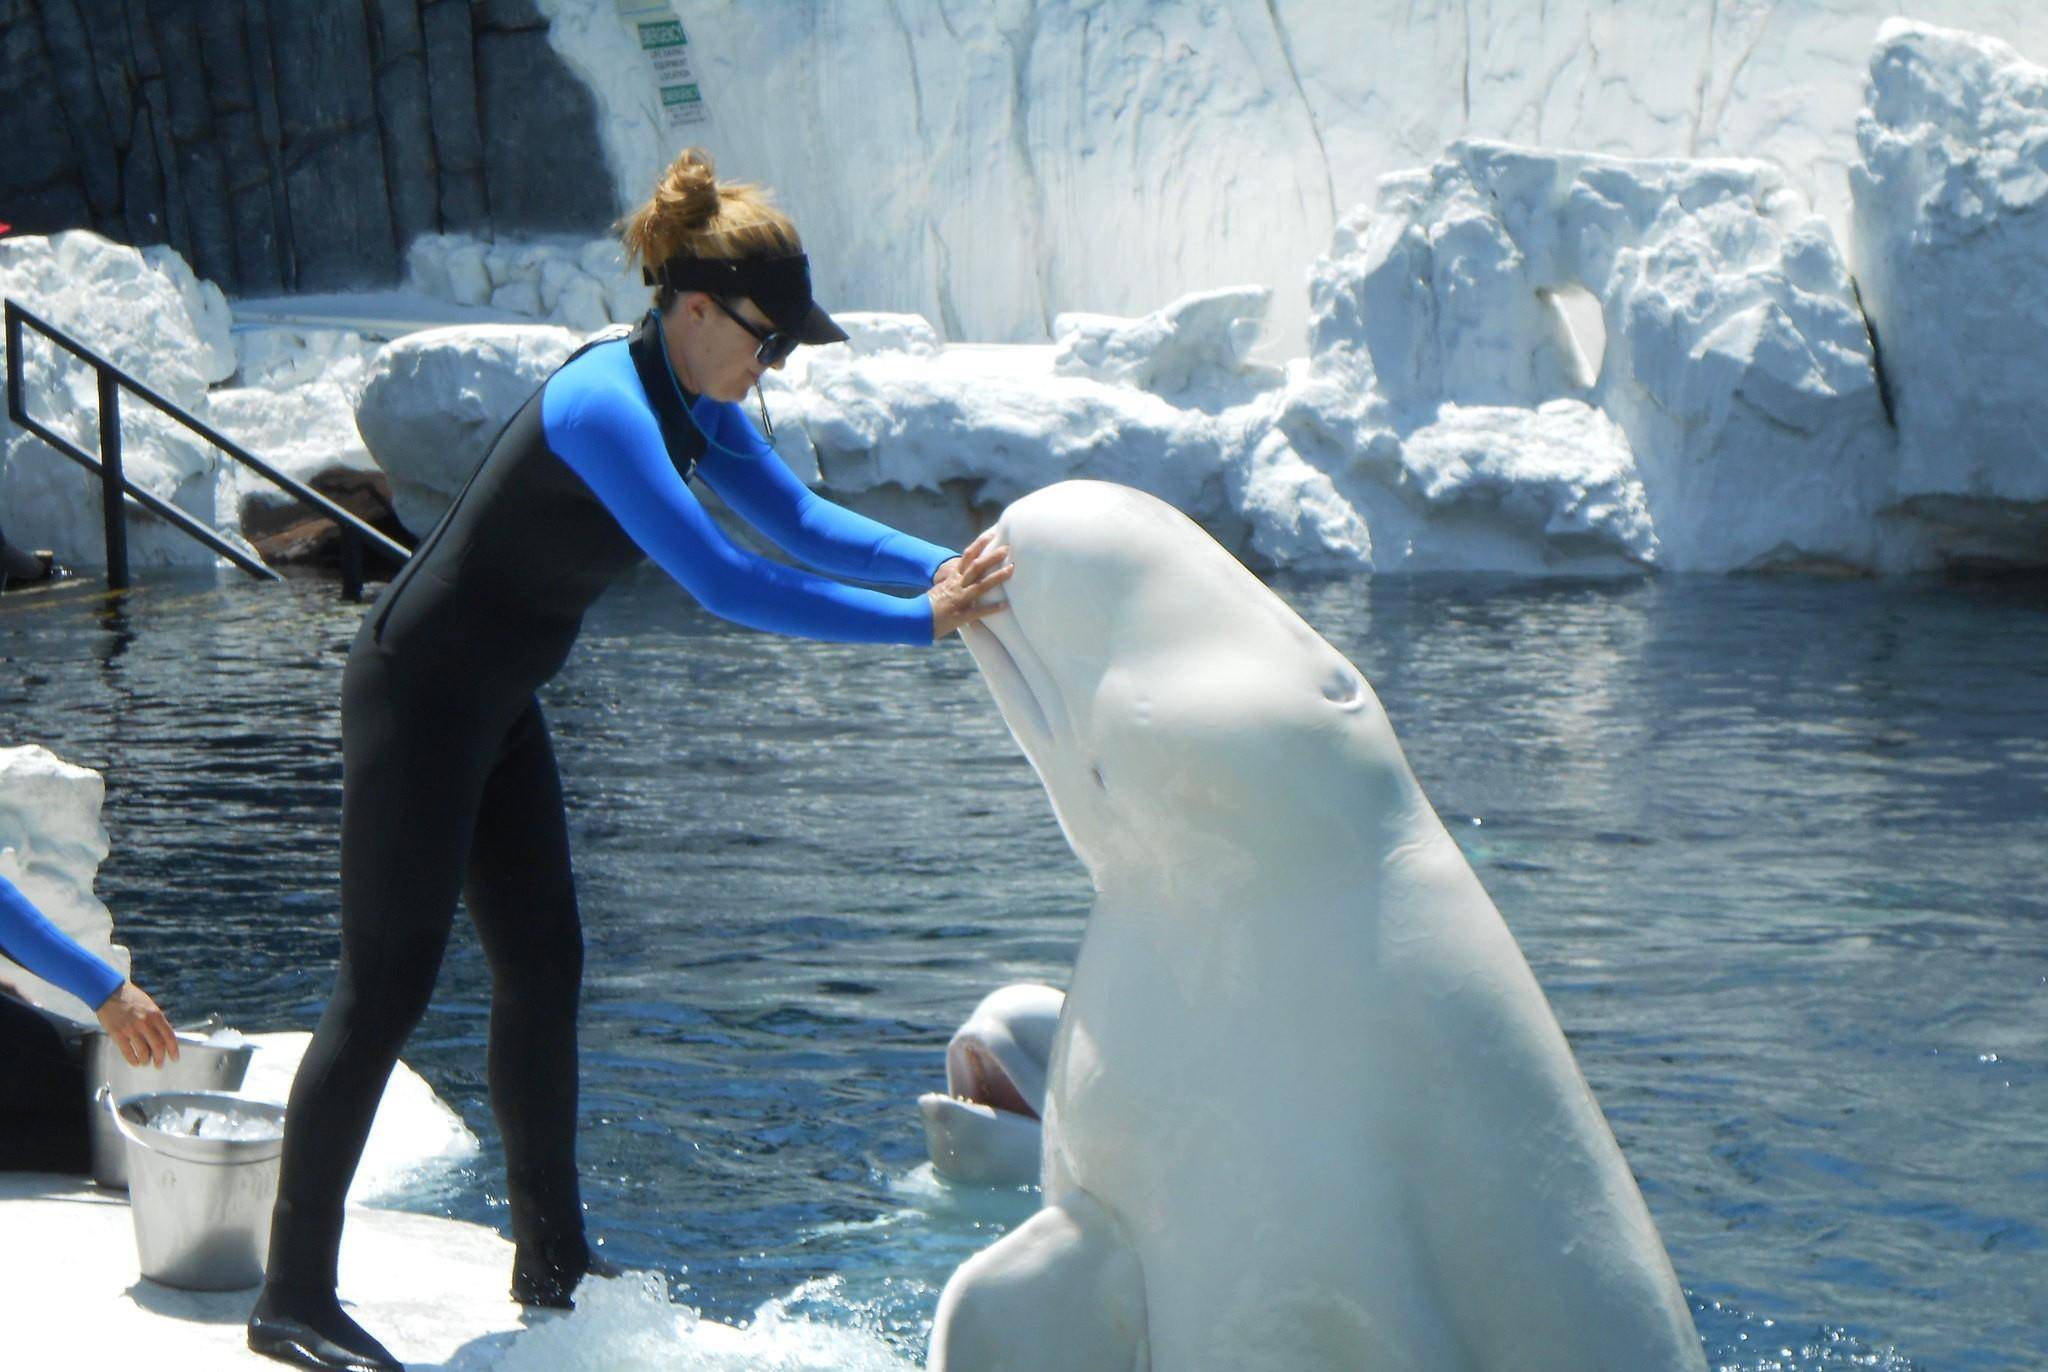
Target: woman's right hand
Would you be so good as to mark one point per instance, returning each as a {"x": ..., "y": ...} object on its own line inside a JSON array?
[
  {"x": 957, "y": 590},
  {"x": 138, "y": 1028}
]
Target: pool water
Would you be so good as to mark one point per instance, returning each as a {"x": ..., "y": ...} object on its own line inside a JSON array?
[{"x": 1773, "y": 848}]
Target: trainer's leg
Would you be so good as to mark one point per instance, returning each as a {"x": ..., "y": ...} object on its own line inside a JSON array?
[
  {"x": 522, "y": 895},
  {"x": 411, "y": 783}
]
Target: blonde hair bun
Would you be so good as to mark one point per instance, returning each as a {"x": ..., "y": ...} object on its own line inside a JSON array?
[
  {"x": 694, "y": 214},
  {"x": 689, "y": 190}
]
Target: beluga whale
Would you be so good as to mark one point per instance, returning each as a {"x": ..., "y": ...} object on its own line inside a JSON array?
[
  {"x": 1307, "y": 1107},
  {"x": 984, "y": 1129}
]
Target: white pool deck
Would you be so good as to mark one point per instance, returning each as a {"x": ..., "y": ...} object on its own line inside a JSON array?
[{"x": 73, "y": 1296}]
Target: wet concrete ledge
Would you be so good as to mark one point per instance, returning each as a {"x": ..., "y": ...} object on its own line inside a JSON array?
[{"x": 72, "y": 1294}]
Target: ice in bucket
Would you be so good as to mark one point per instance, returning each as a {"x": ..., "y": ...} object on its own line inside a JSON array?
[{"x": 186, "y": 1122}]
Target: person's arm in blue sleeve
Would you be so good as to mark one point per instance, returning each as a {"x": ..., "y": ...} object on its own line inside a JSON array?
[
  {"x": 615, "y": 446},
  {"x": 27, "y": 936},
  {"x": 136, "y": 1024},
  {"x": 762, "y": 490}
]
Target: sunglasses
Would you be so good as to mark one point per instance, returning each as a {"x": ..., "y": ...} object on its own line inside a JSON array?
[{"x": 776, "y": 346}]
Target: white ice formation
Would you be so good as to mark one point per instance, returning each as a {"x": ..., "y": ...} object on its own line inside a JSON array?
[
  {"x": 1197, "y": 346},
  {"x": 992, "y": 166},
  {"x": 434, "y": 400},
  {"x": 147, "y": 314},
  {"x": 1523, "y": 360},
  {"x": 51, "y": 845},
  {"x": 1446, "y": 417},
  {"x": 293, "y": 405},
  {"x": 584, "y": 286},
  {"x": 1951, "y": 244},
  {"x": 1733, "y": 421},
  {"x": 287, "y": 395}
]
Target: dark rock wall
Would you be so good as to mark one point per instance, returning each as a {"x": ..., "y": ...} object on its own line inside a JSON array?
[{"x": 293, "y": 144}]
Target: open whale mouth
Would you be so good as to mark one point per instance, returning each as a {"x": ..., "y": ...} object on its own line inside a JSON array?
[{"x": 973, "y": 1075}]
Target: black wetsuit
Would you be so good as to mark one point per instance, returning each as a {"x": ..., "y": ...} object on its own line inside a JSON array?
[{"x": 449, "y": 781}]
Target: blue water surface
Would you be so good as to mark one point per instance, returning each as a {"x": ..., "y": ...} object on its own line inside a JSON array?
[{"x": 1773, "y": 848}]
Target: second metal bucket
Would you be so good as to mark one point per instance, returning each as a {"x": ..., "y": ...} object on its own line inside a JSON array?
[
  {"x": 201, "y": 1204},
  {"x": 201, "y": 1066}
]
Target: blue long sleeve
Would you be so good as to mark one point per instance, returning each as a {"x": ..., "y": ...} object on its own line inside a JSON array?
[
  {"x": 28, "y": 937},
  {"x": 762, "y": 490},
  {"x": 598, "y": 423}
]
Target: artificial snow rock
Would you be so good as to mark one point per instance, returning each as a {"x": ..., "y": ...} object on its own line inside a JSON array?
[
  {"x": 434, "y": 400},
  {"x": 1951, "y": 249}
]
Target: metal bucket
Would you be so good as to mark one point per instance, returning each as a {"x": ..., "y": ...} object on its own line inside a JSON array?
[
  {"x": 200, "y": 1067},
  {"x": 201, "y": 1205}
]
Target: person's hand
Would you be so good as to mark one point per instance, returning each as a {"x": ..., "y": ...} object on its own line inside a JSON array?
[
  {"x": 137, "y": 1027},
  {"x": 960, "y": 583}
]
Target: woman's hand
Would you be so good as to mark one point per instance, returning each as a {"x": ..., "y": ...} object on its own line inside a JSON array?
[
  {"x": 137, "y": 1027},
  {"x": 960, "y": 583}
]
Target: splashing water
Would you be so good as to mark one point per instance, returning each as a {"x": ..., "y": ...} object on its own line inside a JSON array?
[{"x": 630, "y": 1322}]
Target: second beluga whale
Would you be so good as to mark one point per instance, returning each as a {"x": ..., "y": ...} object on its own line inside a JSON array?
[{"x": 984, "y": 1128}]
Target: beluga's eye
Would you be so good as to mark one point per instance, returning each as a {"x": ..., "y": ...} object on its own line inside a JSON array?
[
  {"x": 1095, "y": 770},
  {"x": 1344, "y": 688}
]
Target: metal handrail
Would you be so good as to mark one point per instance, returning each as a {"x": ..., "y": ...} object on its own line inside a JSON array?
[{"x": 114, "y": 484}]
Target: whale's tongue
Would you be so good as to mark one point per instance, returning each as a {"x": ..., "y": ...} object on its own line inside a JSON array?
[{"x": 973, "y": 1074}]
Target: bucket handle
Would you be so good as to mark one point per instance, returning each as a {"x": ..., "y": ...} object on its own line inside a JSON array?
[{"x": 104, "y": 1097}]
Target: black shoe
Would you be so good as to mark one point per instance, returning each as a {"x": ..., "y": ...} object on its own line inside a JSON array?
[
  {"x": 546, "y": 1280},
  {"x": 310, "y": 1330}
]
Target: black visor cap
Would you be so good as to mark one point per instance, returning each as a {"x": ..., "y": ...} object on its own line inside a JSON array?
[{"x": 781, "y": 286}]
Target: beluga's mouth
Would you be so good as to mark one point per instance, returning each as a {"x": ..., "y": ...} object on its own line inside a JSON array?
[{"x": 975, "y": 1077}]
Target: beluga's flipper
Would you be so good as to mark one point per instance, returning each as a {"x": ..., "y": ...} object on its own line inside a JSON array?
[{"x": 1061, "y": 1290}]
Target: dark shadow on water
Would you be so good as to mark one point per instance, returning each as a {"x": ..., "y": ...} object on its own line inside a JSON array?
[{"x": 120, "y": 632}]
